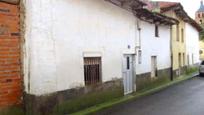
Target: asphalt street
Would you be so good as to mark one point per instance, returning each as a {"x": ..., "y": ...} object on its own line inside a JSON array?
[{"x": 185, "y": 98}]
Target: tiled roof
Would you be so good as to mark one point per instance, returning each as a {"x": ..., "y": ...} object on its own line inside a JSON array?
[
  {"x": 177, "y": 8},
  {"x": 151, "y": 5}
]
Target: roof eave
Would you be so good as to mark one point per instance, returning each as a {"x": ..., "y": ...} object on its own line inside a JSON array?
[
  {"x": 152, "y": 17},
  {"x": 195, "y": 24},
  {"x": 11, "y": 1},
  {"x": 127, "y": 4}
]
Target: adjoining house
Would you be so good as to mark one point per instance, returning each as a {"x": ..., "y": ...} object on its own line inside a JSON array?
[
  {"x": 181, "y": 50},
  {"x": 90, "y": 50},
  {"x": 153, "y": 59},
  {"x": 11, "y": 81},
  {"x": 192, "y": 43}
]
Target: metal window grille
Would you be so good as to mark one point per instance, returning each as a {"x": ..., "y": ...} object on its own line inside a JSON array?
[{"x": 92, "y": 70}]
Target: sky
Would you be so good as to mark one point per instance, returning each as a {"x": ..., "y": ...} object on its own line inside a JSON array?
[{"x": 190, "y": 6}]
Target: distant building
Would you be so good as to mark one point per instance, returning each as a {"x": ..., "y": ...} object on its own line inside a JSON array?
[{"x": 199, "y": 16}]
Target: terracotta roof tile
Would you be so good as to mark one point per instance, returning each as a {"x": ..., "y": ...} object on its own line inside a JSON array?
[{"x": 161, "y": 4}]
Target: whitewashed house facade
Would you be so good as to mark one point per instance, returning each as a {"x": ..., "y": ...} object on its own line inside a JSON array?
[
  {"x": 74, "y": 47},
  {"x": 60, "y": 39},
  {"x": 155, "y": 54},
  {"x": 192, "y": 45}
]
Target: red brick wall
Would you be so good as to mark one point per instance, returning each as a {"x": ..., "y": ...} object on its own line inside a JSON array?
[{"x": 10, "y": 75}]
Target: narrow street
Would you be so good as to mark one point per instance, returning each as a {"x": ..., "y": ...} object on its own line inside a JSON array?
[{"x": 186, "y": 98}]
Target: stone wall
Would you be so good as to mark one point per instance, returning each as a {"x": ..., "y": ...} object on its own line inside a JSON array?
[
  {"x": 145, "y": 81},
  {"x": 179, "y": 72},
  {"x": 69, "y": 101}
]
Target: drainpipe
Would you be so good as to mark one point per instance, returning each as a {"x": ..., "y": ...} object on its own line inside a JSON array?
[
  {"x": 171, "y": 43},
  {"x": 137, "y": 47}
]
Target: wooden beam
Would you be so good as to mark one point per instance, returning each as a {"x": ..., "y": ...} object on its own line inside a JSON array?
[{"x": 10, "y": 1}]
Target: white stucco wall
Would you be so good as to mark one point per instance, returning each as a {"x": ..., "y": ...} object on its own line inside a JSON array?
[
  {"x": 192, "y": 44},
  {"x": 154, "y": 46},
  {"x": 60, "y": 32}
]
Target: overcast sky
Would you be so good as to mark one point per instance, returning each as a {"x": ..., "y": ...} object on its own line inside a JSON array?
[{"x": 190, "y": 6}]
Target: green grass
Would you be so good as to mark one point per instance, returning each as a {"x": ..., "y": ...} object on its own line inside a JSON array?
[
  {"x": 97, "y": 101},
  {"x": 191, "y": 70},
  {"x": 12, "y": 111},
  {"x": 136, "y": 95},
  {"x": 154, "y": 83},
  {"x": 86, "y": 101}
]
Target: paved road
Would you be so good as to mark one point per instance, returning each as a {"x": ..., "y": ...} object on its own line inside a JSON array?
[{"x": 186, "y": 98}]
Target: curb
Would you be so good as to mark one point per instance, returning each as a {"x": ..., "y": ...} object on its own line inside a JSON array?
[{"x": 124, "y": 99}]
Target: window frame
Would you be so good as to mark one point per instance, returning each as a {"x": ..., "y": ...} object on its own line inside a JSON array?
[
  {"x": 184, "y": 59},
  {"x": 182, "y": 35},
  {"x": 177, "y": 33},
  {"x": 89, "y": 64}
]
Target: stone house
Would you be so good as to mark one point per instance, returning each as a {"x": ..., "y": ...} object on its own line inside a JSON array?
[
  {"x": 74, "y": 49},
  {"x": 81, "y": 52}
]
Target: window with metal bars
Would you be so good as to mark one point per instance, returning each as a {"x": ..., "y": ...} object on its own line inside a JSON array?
[{"x": 92, "y": 70}]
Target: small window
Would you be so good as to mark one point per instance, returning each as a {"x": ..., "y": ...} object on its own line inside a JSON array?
[
  {"x": 201, "y": 21},
  {"x": 182, "y": 34},
  {"x": 128, "y": 63},
  {"x": 156, "y": 31},
  {"x": 139, "y": 56},
  {"x": 177, "y": 34},
  {"x": 202, "y": 15},
  {"x": 179, "y": 59},
  {"x": 92, "y": 70},
  {"x": 184, "y": 60},
  {"x": 198, "y": 15}
]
